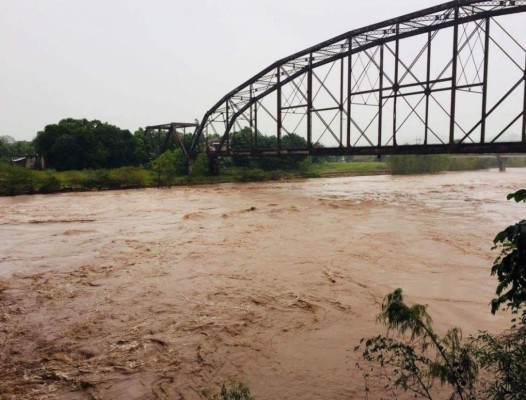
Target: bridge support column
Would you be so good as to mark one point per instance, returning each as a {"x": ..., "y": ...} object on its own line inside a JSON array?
[{"x": 502, "y": 163}]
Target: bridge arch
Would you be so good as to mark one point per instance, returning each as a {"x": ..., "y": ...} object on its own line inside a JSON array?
[{"x": 359, "y": 92}]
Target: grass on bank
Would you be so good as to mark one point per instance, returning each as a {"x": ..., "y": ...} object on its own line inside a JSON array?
[
  {"x": 16, "y": 180},
  {"x": 358, "y": 168}
]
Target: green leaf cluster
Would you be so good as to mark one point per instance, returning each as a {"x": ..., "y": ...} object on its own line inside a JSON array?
[
  {"x": 510, "y": 265},
  {"x": 76, "y": 144},
  {"x": 9, "y": 147},
  {"x": 164, "y": 168},
  {"x": 418, "y": 357},
  {"x": 232, "y": 391}
]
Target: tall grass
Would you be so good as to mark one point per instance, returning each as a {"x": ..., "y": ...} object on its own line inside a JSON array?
[
  {"x": 430, "y": 164},
  {"x": 16, "y": 180},
  {"x": 417, "y": 164}
]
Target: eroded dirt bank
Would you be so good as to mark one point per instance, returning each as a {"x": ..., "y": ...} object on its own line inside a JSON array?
[{"x": 156, "y": 294}]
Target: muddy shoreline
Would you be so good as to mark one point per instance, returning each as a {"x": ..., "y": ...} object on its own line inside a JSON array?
[{"x": 157, "y": 294}]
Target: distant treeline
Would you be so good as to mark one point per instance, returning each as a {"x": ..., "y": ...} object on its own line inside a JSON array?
[
  {"x": 91, "y": 155},
  {"x": 170, "y": 169},
  {"x": 164, "y": 171},
  {"x": 9, "y": 147},
  {"x": 74, "y": 144},
  {"x": 79, "y": 144},
  {"x": 17, "y": 180}
]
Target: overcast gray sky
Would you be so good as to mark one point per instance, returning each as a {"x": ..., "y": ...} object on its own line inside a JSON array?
[{"x": 134, "y": 63}]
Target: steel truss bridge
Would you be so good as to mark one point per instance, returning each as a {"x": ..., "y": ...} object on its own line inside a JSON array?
[{"x": 447, "y": 79}]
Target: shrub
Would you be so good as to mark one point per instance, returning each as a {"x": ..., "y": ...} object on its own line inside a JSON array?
[
  {"x": 128, "y": 177},
  {"x": 504, "y": 357},
  {"x": 16, "y": 180},
  {"x": 72, "y": 180},
  {"x": 164, "y": 168},
  {"x": 180, "y": 163},
  {"x": 233, "y": 391},
  {"x": 419, "y": 358},
  {"x": 200, "y": 166},
  {"x": 96, "y": 179},
  {"x": 305, "y": 165},
  {"x": 50, "y": 184}
]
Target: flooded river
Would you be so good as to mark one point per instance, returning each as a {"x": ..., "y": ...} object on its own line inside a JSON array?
[{"x": 158, "y": 294}]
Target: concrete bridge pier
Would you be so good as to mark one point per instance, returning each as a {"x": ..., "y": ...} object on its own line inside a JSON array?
[{"x": 502, "y": 163}]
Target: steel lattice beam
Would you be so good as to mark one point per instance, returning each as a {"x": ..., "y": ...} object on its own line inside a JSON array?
[{"x": 372, "y": 72}]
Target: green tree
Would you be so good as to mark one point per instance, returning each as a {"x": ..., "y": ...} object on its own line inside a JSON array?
[
  {"x": 80, "y": 144},
  {"x": 15, "y": 180},
  {"x": 9, "y": 147},
  {"x": 504, "y": 355},
  {"x": 510, "y": 265},
  {"x": 180, "y": 162},
  {"x": 67, "y": 154},
  {"x": 144, "y": 150},
  {"x": 200, "y": 166},
  {"x": 119, "y": 145},
  {"x": 164, "y": 168},
  {"x": 293, "y": 142},
  {"x": 245, "y": 139},
  {"x": 6, "y": 143},
  {"x": 21, "y": 148},
  {"x": 419, "y": 358}
]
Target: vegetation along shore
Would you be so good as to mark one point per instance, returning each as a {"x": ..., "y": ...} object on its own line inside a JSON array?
[{"x": 82, "y": 155}]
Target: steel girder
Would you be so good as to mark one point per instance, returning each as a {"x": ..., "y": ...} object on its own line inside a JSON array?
[
  {"x": 162, "y": 136},
  {"x": 369, "y": 48}
]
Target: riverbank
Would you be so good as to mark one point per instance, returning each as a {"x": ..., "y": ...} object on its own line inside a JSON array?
[
  {"x": 19, "y": 181},
  {"x": 159, "y": 294}
]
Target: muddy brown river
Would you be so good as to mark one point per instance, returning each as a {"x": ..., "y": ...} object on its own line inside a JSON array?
[{"x": 159, "y": 294}]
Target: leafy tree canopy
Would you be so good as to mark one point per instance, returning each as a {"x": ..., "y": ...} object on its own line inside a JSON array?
[
  {"x": 80, "y": 144},
  {"x": 510, "y": 265},
  {"x": 9, "y": 147}
]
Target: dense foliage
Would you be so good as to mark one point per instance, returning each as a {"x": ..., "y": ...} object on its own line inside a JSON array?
[
  {"x": 17, "y": 180},
  {"x": 9, "y": 147},
  {"x": 81, "y": 144},
  {"x": 510, "y": 266},
  {"x": 83, "y": 155},
  {"x": 503, "y": 357},
  {"x": 419, "y": 358},
  {"x": 231, "y": 391}
]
